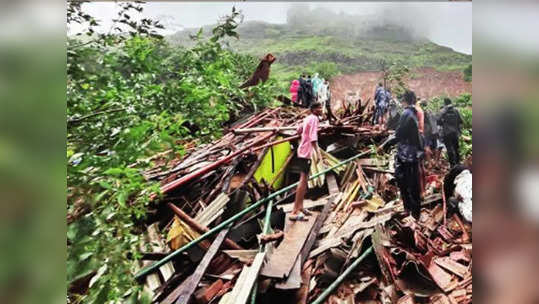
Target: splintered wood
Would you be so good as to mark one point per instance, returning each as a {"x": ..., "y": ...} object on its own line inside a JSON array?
[{"x": 354, "y": 206}]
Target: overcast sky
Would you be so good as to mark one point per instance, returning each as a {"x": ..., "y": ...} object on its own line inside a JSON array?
[{"x": 445, "y": 23}]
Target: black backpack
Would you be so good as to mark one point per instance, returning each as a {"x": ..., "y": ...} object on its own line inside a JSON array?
[{"x": 450, "y": 121}]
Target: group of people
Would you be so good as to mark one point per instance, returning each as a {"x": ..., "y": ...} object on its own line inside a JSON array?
[
  {"x": 306, "y": 90},
  {"x": 415, "y": 141}
]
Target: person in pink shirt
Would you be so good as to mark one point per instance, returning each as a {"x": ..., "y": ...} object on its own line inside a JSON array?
[
  {"x": 308, "y": 143},
  {"x": 294, "y": 87}
]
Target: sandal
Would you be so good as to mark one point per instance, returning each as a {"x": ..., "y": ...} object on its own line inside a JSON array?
[
  {"x": 298, "y": 217},
  {"x": 306, "y": 212}
]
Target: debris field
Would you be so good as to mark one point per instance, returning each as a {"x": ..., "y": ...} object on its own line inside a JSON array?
[{"x": 220, "y": 232}]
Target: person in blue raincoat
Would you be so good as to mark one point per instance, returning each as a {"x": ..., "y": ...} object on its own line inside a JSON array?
[{"x": 379, "y": 103}]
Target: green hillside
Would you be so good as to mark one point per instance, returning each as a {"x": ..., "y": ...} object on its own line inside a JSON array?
[{"x": 343, "y": 45}]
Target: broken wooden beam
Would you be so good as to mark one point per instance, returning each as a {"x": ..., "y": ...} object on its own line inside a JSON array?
[
  {"x": 199, "y": 228},
  {"x": 182, "y": 293}
]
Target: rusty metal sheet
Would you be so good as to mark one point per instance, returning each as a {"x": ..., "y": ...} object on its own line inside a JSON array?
[
  {"x": 441, "y": 277},
  {"x": 455, "y": 267}
]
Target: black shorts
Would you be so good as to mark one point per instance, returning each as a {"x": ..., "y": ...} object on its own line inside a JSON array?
[{"x": 304, "y": 164}]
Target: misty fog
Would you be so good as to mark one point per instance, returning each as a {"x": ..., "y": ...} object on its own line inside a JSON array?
[{"x": 448, "y": 24}]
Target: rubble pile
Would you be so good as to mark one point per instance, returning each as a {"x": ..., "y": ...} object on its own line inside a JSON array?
[{"x": 219, "y": 239}]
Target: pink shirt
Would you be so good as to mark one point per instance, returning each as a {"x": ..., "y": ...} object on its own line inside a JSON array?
[{"x": 309, "y": 134}]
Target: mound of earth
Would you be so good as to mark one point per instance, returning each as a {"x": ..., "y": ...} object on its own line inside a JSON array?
[{"x": 425, "y": 82}]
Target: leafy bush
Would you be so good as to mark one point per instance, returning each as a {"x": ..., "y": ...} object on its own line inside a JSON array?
[
  {"x": 326, "y": 69},
  {"x": 128, "y": 99},
  {"x": 468, "y": 73}
]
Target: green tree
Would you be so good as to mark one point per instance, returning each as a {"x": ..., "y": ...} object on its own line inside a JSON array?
[{"x": 131, "y": 95}]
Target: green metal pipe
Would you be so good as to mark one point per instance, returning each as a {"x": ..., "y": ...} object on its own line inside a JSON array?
[
  {"x": 266, "y": 228},
  {"x": 225, "y": 223},
  {"x": 341, "y": 278}
]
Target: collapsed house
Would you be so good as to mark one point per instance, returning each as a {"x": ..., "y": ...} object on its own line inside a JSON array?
[{"x": 221, "y": 233}]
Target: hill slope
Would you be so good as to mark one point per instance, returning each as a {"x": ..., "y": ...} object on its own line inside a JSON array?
[{"x": 336, "y": 48}]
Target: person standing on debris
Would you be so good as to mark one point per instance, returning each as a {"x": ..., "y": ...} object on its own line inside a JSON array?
[
  {"x": 308, "y": 143},
  {"x": 317, "y": 83},
  {"x": 430, "y": 131},
  {"x": 379, "y": 103},
  {"x": 323, "y": 97},
  {"x": 294, "y": 87},
  {"x": 308, "y": 92},
  {"x": 301, "y": 90},
  {"x": 387, "y": 103},
  {"x": 451, "y": 123},
  {"x": 406, "y": 159}
]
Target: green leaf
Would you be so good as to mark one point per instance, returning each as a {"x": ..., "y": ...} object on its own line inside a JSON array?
[{"x": 114, "y": 171}]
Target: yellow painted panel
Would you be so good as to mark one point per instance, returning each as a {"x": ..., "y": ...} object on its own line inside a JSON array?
[{"x": 266, "y": 171}]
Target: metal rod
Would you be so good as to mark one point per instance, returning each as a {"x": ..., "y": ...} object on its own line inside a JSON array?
[
  {"x": 280, "y": 141},
  {"x": 238, "y": 215},
  {"x": 341, "y": 278}
]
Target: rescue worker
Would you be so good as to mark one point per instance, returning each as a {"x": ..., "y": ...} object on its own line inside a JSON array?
[
  {"x": 406, "y": 159},
  {"x": 379, "y": 104},
  {"x": 308, "y": 92},
  {"x": 308, "y": 143},
  {"x": 451, "y": 123},
  {"x": 430, "y": 132}
]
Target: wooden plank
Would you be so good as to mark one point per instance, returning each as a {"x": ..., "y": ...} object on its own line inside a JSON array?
[
  {"x": 183, "y": 292},
  {"x": 230, "y": 297},
  {"x": 303, "y": 292},
  {"x": 252, "y": 275},
  {"x": 293, "y": 281},
  {"x": 333, "y": 187},
  {"x": 214, "y": 210},
  {"x": 307, "y": 204},
  {"x": 283, "y": 258},
  {"x": 316, "y": 229},
  {"x": 244, "y": 256},
  {"x": 452, "y": 266}
]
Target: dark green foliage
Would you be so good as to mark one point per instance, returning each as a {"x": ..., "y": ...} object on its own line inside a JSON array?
[
  {"x": 128, "y": 98},
  {"x": 468, "y": 73}
]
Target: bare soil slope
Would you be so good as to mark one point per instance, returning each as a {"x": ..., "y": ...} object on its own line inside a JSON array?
[{"x": 425, "y": 82}]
